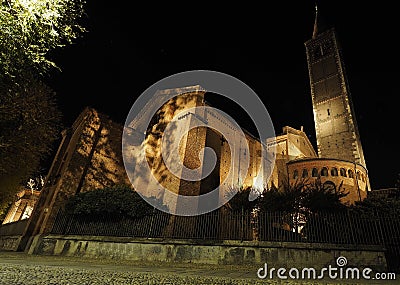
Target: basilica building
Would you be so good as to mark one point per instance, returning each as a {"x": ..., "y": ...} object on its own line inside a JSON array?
[{"x": 90, "y": 154}]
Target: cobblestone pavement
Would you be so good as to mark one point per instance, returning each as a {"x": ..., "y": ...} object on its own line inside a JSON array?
[{"x": 24, "y": 269}]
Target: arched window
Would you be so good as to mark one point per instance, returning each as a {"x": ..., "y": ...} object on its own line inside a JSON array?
[
  {"x": 350, "y": 173},
  {"x": 343, "y": 172},
  {"x": 314, "y": 172},
  {"x": 295, "y": 174},
  {"x": 358, "y": 175},
  {"x": 324, "y": 171},
  {"x": 362, "y": 177},
  {"x": 305, "y": 173},
  {"x": 334, "y": 171}
]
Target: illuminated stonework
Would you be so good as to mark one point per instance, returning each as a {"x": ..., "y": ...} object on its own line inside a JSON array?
[
  {"x": 289, "y": 145},
  {"x": 335, "y": 120},
  {"x": 346, "y": 175},
  {"x": 90, "y": 156},
  {"x": 338, "y": 138},
  {"x": 185, "y": 109},
  {"x": 23, "y": 206}
]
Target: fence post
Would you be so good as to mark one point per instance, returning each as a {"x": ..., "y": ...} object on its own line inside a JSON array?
[
  {"x": 379, "y": 229},
  {"x": 56, "y": 221},
  {"x": 351, "y": 227},
  {"x": 151, "y": 223},
  {"x": 71, "y": 219},
  {"x": 242, "y": 225}
]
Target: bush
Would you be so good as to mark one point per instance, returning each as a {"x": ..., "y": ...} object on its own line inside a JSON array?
[
  {"x": 118, "y": 201},
  {"x": 239, "y": 199}
]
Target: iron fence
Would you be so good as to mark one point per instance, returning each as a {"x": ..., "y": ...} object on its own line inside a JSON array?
[{"x": 338, "y": 228}]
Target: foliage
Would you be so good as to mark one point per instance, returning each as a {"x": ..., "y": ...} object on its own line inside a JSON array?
[
  {"x": 239, "y": 199},
  {"x": 30, "y": 29},
  {"x": 386, "y": 204},
  {"x": 307, "y": 206},
  {"x": 30, "y": 121},
  {"x": 389, "y": 206},
  {"x": 301, "y": 197},
  {"x": 318, "y": 197},
  {"x": 30, "y": 124},
  {"x": 4, "y": 208},
  {"x": 115, "y": 202},
  {"x": 8, "y": 190},
  {"x": 285, "y": 199}
]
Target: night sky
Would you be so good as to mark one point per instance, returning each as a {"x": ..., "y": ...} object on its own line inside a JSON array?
[{"x": 128, "y": 49}]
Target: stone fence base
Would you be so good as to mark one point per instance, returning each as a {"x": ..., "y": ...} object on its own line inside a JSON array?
[
  {"x": 276, "y": 254},
  {"x": 10, "y": 242}
]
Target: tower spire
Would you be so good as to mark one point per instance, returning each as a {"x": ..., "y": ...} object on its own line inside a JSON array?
[{"x": 315, "y": 30}]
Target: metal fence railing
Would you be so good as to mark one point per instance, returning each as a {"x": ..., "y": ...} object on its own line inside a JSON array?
[
  {"x": 159, "y": 225},
  {"x": 339, "y": 228}
]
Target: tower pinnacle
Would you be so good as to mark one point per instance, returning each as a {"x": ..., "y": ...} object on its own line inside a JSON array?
[{"x": 315, "y": 30}]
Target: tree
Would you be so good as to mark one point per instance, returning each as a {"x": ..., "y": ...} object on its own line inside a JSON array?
[
  {"x": 30, "y": 120},
  {"x": 323, "y": 197},
  {"x": 239, "y": 199},
  {"x": 29, "y": 30},
  {"x": 382, "y": 206},
  {"x": 323, "y": 212},
  {"x": 30, "y": 123},
  {"x": 293, "y": 205},
  {"x": 303, "y": 197},
  {"x": 284, "y": 199},
  {"x": 386, "y": 205}
]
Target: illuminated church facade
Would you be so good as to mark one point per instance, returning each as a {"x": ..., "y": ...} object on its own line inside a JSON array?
[{"x": 90, "y": 156}]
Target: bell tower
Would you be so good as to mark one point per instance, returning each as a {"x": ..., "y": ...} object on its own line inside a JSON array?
[{"x": 335, "y": 122}]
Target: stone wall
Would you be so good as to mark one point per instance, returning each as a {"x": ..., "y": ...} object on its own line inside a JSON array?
[
  {"x": 11, "y": 234},
  {"x": 276, "y": 254},
  {"x": 10, "y": 243},
  {"x": 89, "y": 157}
]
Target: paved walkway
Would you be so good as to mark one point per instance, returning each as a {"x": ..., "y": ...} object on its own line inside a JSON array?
[{"x": 24, "y": 269}]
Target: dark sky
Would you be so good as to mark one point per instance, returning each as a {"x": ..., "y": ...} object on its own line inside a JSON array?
[{"x": 128, "y": 49}]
